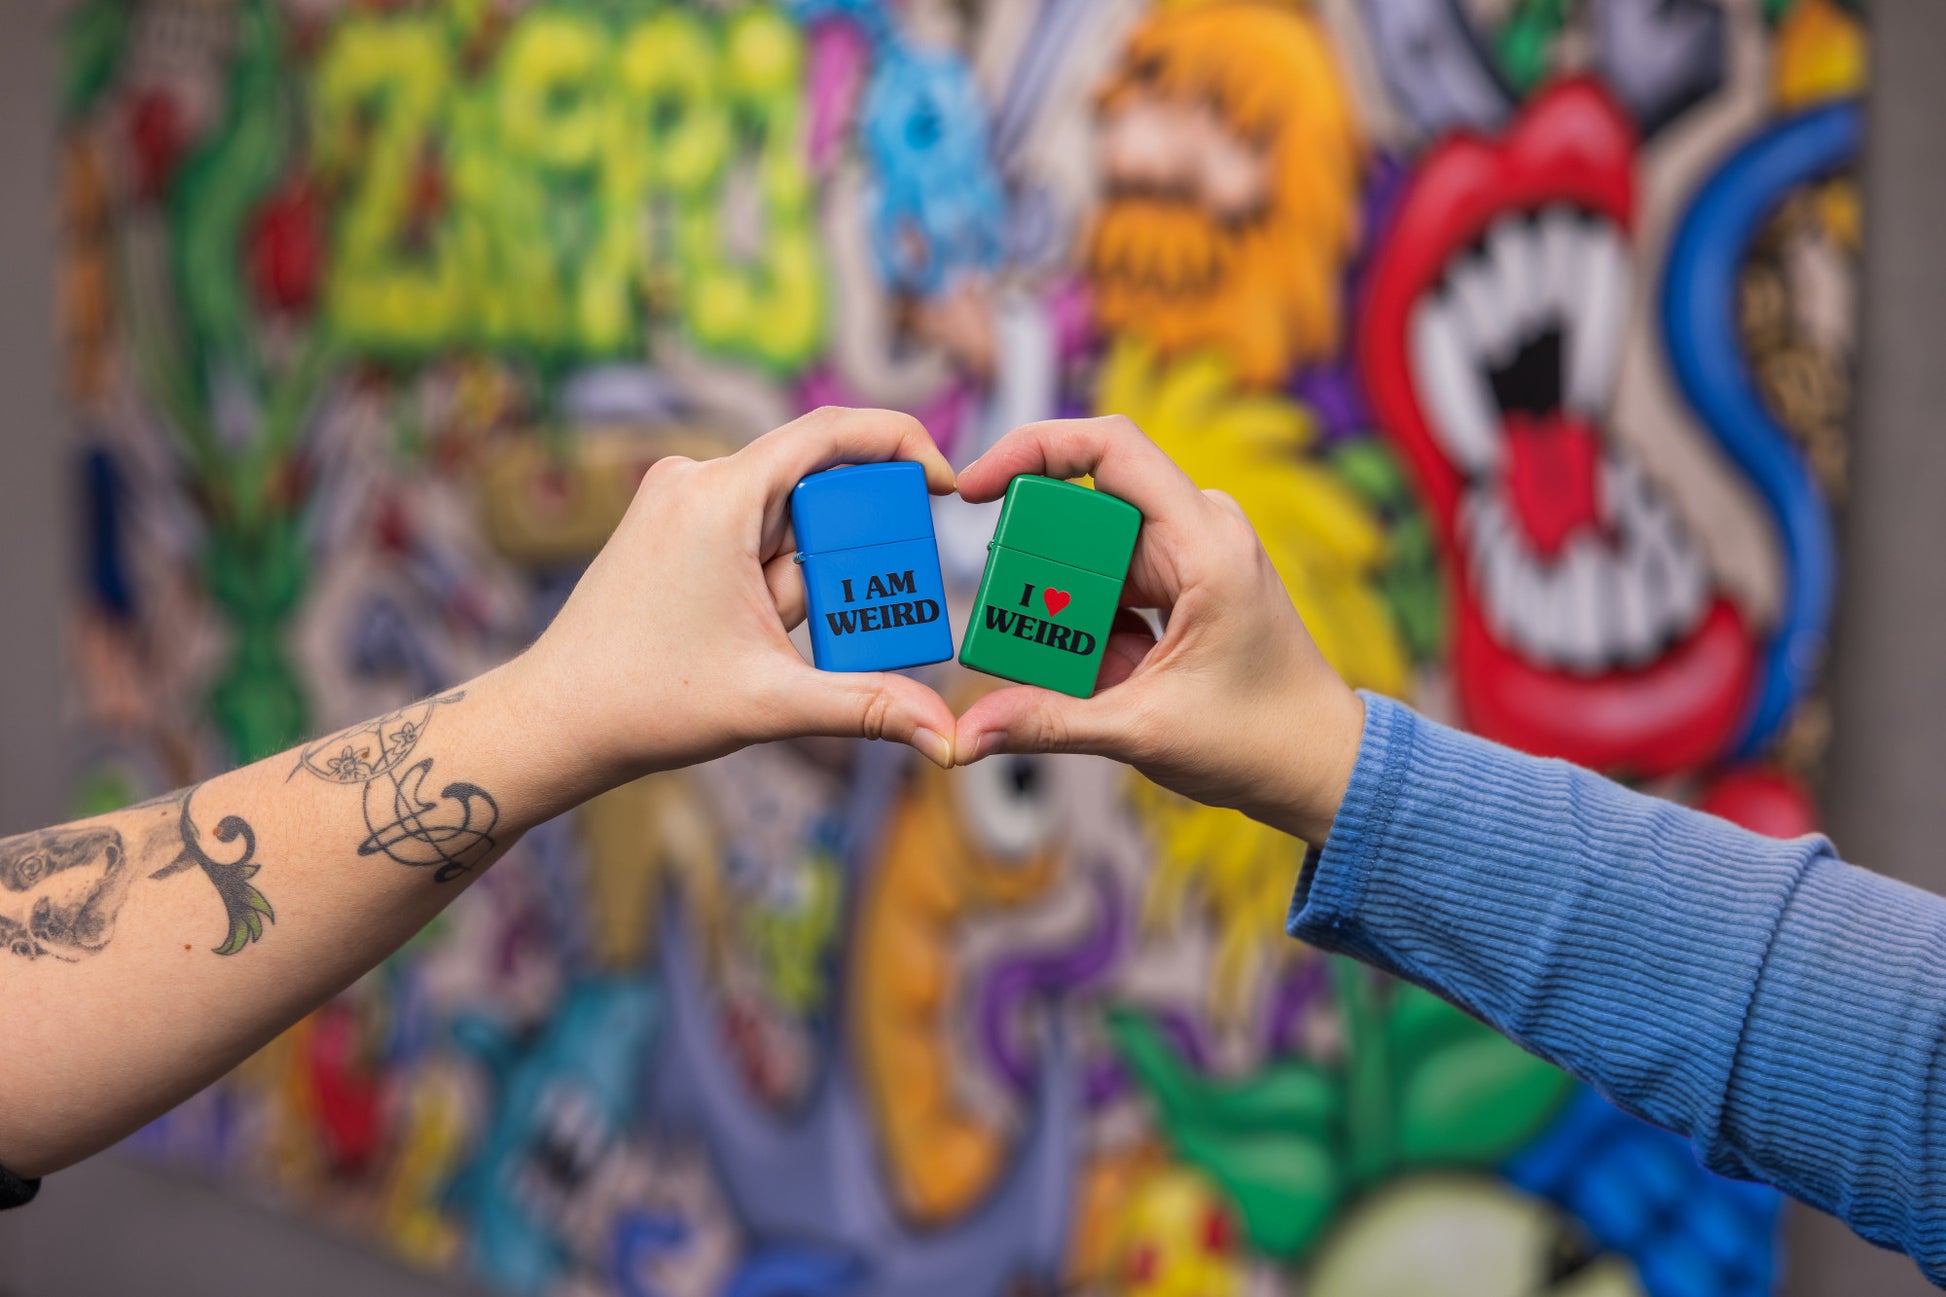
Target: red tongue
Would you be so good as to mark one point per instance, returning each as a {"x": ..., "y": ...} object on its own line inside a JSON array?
[{"x": 1551, "y": 483}]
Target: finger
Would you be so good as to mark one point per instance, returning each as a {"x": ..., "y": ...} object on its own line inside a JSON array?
[
  {"x": 1148, "y": 585},
  {"x": 871, "y": 705},
  {"x": 835, "y": 435},
  {"x": 1026, "y": 719},
  {"x": 1226, "y": 502},
  {"x": 1112, "y": 450},
  {"x": 785, "y": 577},
  {"x": 1129, "y": 641},
  {"x": 781, "y": 542}
]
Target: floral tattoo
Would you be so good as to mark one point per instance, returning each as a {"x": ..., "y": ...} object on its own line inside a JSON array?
[{"x": 451, "y": 833}]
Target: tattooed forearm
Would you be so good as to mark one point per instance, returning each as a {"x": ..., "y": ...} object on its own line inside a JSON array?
[
  {"x": 246, "y": 907},
  {"x": 61, "y": 889},
  {"x": 402, "y": 824}
]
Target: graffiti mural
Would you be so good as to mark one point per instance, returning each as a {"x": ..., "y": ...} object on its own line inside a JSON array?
[{"x": 1523, "y": 331}]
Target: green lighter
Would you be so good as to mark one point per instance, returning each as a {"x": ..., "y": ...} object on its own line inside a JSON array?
[{"x": 1053, "y": 582}]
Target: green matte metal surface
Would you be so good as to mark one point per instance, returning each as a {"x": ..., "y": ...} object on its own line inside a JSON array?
[
  {"x": 1016, "y": 634},
  {"x": 1042, "y": 618},
  {"x": 1071, "y": 524}
]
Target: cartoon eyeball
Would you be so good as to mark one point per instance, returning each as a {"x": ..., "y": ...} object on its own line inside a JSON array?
[{"x": 1008, "y": 803}]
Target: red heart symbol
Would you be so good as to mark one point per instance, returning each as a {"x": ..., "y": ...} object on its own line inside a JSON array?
[{"x": 1055, "y": 601}]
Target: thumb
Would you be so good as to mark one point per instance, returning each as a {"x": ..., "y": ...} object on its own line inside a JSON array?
[
  {"x": 1026, "y": 719},
  {"x": 871, "y": 705}
]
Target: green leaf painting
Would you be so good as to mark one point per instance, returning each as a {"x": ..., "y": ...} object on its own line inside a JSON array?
[{"x": 1294, "y": 1143}]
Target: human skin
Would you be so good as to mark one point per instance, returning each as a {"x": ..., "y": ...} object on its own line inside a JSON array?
[
  {"x": 1234, "y": 705},
  {"x": 130, "y": 986}
]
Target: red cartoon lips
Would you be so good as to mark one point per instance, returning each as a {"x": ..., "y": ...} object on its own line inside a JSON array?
[{"x": 1587, "y": 624}]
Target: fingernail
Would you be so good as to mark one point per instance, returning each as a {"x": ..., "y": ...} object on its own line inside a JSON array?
[
  {"x": 986, "y": 745},
  {"x": 934, "y": 748}
]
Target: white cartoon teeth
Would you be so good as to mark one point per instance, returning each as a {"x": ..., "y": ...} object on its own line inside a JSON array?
[
  {"x": 1533, "y": 318},
  {"x": 1600, "y": 604},
  {"x": 1561, "y": 233},
  {"x": 1486, "y": 321},
  {"x": 1514, "y": 253},
  {"x": 1585, "y": 595},
  {"x": 1559, "y": 280},
  {"x": 1454, "y": 388},
  {"x": 571, "y": 1139},
  {"x": 1597, "y": 311}
]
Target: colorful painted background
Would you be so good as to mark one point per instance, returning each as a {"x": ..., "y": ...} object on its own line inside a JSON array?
[{"x": 1522, "y": 330}]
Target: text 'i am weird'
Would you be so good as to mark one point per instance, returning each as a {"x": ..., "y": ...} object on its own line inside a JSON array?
[{"x": 907, "y": 612}]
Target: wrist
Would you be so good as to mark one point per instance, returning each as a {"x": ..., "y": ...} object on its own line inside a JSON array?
[
  {"x": 552, "y": 756},
  {"x": 1325, "y": 734}
]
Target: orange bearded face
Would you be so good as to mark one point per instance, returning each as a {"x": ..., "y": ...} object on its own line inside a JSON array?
[{"x": 1230, "y": 161}]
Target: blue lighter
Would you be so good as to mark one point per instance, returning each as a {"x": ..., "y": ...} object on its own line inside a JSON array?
[{"x": 871, "y": 568}]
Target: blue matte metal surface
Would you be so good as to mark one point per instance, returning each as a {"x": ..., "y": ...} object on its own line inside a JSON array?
[
  {"x": 871, "y": 568},
  {"x": 868, "y": 504}
]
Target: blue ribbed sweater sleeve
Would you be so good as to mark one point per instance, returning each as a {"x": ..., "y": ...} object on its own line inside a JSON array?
[{"x": 1783, "y": 1010}]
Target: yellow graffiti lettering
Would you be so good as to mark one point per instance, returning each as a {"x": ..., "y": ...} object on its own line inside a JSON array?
[
  {"x": 591, "y": 180},
  {"x": 375, "y": 100},
  {"x": 765, "y": 299}
]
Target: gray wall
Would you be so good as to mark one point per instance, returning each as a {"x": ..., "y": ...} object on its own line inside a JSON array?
[
  {"x": 33, "y": 528},
  {"x": 1889, "y": 688},
  {"x": 110, "y": 1227}
]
